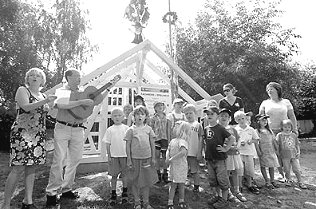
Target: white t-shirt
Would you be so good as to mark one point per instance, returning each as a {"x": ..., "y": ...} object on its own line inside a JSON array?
[
  {"x": 194, "y": 139},
  {"x": 114, "y": 136},
  {"x": 245, "y": 135},
  {"x": 276, "y": 110}
]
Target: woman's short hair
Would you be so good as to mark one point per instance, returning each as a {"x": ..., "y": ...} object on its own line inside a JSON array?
[
  {"x": 277, "y": 87},
  {"x": 36, "y": 70},
  {"x": 231, "y": 87}
]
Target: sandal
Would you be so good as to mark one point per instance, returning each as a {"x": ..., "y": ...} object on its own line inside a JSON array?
[
  {"x": 269, "y": 186},
  {"x": 170, "y": 207},
  {"x": 275, "y": 184},
  {"x": 232, "y": 198},
  {"x": 241, "y": 197},
  {"x": 254, "y": 190},
  {"x": 302, "y": 186},
  {"x": 138, "y": 206},
  {"x": 182, "y": 205}
]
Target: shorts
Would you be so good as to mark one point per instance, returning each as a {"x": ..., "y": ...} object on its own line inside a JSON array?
[
  {"x": 161, "y": 144},
  {"x": 249, "y": 165},
  {"x": 193, "y": 164},
  {"x": 217, "y": 174},
  {"x": 117, "y": 166},
  {"x": 142, "y": 173}
]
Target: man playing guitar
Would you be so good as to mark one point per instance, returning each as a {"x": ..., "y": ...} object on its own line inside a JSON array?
[{"x": 68, "y": 141}]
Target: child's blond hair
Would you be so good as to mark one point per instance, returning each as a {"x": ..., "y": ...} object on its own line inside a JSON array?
[
  {"x": 189, "y": 107},
  {"x": 286, "y": 122},
  {"x": 239, "y": 114},
  {"x": 183, "y": 130},
  {"x": 143, "y": 110}
]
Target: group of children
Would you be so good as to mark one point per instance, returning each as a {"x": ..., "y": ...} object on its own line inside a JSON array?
[{"x": 147, "y": 149}]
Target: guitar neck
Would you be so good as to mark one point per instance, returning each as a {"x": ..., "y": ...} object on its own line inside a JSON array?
[{"x": 100, "y": 90}]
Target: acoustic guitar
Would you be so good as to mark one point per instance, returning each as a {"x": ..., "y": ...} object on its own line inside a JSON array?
[{"x": 91, "y": 92}]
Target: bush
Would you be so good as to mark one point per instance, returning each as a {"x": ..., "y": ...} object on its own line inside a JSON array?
[{"x": 7, "y": 118}]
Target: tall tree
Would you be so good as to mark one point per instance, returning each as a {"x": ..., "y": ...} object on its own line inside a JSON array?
[
  {"x": 34, "y": 36},
  {"x": 241, "y": 44}
]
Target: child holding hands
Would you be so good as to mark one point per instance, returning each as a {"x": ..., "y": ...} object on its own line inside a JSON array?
[
  {"x": 248, "y": 137},
  {"x": 140, "y": 150},
  {"x": 176, "y": 157},
  {"x": 267, "y": 149},
  {"x": 290, "y": 151}
]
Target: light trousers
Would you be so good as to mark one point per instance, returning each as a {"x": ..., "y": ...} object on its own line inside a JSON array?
[{"x": 68, "y": 144}]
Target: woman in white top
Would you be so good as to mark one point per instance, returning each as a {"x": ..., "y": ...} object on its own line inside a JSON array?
[{"x": 278, "y": 109}]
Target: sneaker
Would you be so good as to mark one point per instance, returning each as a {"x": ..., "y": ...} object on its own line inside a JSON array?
[
  {"x": 232, "y": 198},
  {"x": 241, "y": 197},
  {"x": 51, "y": 201},
  {"x": 70, "y": 195},
  {"x": 221, "y": 203},
  {"x": 182, "y": 205},
  {"x": 28, "y": 206},
  {"x": 213, "y": 200},
  {"x": 282, "y": 179},
  {"x": 253, "y": 190},
  {"x": 289, "y": 183},
  {"x": 302, "y": 186}
]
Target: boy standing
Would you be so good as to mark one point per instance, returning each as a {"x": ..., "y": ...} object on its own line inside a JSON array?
[
  {"x": 162, "y": 129},
  {"x": 116, "y": 149},
  {"x": 176, "y": 114},
  {"x": 194, "y": 143},
  {"x": 215, "y": 155},
  {"x": 248, "y": 138}
]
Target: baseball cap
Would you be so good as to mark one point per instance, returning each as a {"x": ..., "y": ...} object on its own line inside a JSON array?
[
  {"x": 261, "y": 116},
  {"x": 212, "y": 109},
  {"x": 225, "y": 110},
  {"x": 177, "y": 100}
]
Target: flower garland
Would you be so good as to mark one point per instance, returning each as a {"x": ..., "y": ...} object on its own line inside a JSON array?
[{"x": 173, "y": 18}]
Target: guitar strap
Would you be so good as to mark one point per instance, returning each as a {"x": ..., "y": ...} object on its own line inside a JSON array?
[{"x": 74, "y": 115}]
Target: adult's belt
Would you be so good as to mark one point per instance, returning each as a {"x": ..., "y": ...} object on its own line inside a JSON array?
[{"x": 75, "y": 125}]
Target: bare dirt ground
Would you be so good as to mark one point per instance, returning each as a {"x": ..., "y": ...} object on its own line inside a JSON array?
[{"x": 94, "y": 189}]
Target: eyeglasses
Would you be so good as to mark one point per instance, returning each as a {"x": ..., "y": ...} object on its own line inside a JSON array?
[{"x": 226, "y": 90}]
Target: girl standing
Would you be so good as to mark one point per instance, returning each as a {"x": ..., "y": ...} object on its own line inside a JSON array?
[
  {"x": 290, "y": 152},
  {"x": 177, "y": 158},
  {"x": 266, "y": 149},
  {"x": 140, "y": 150}
]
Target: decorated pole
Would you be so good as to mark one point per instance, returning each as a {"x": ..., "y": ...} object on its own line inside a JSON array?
[
  {"x": 137, "y": 13},
  {"x": 171, "y": 18}
]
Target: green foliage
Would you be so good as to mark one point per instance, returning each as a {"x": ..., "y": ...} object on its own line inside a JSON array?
[
  {"x": 34, "y": 36},
  {"x": 240, "y": 44}
]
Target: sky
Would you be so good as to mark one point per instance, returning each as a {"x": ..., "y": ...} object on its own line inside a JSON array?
[{"x": 113, "y": 33}]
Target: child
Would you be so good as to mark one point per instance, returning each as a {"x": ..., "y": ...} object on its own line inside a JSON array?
[
  {"x": 116, "y": 149},
  {"x": 140, "y": 150},
  {"x": 176, "y": 114},
  {"x": 234, "y": 163},
  {"x": 266, "y": 149},
  {"x": 177, "y": 158},
  {"x": 290, "y": 151},
  {"x": 194, "y": 142},
  {"x": 127, "y": 109},
  {"x": 204, "y": 121},
  {"x": 248, "y": 136},
  {"x": 162, "y": 128},
  {"x": 138, "y": 100},
  {"x": 215, "y": 154}
]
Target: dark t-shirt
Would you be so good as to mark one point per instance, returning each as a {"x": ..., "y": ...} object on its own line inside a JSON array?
[
  {"x": 238, "y": 104},
  {"x": 214, "y": 136}
]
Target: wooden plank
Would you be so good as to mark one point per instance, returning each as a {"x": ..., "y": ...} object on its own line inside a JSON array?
[
  {"x": 185, "y": 96},
  {"x": 116, "y": 61},
  {"x": 180, "y": 72}
]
